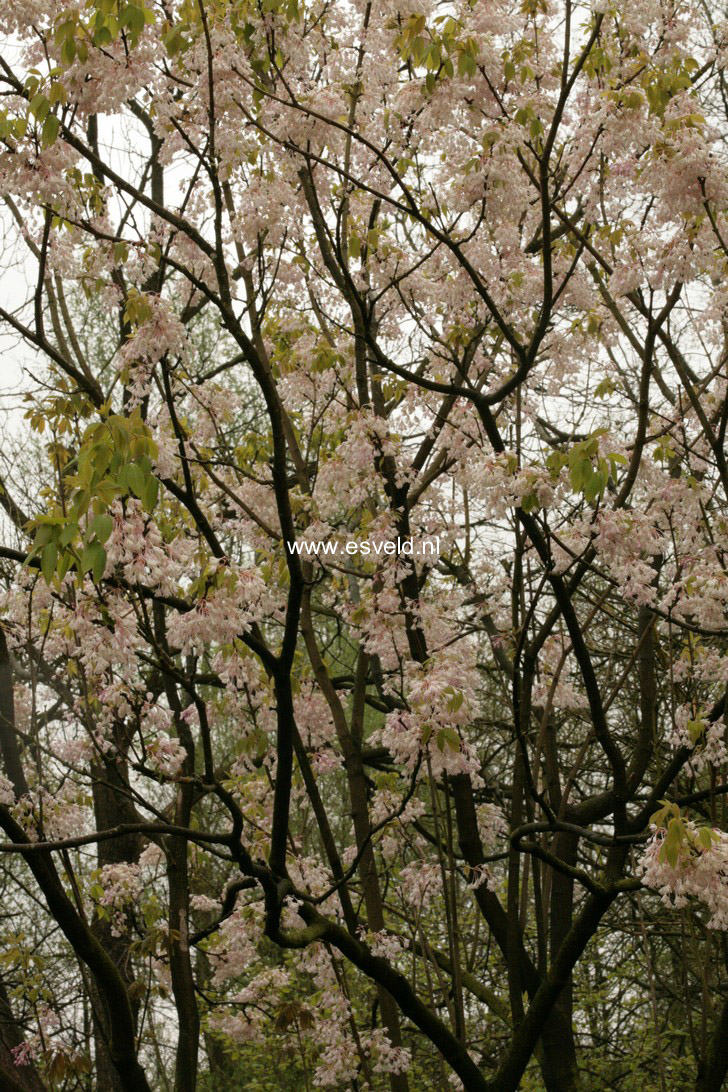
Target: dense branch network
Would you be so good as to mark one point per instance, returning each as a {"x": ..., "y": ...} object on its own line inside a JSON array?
[{"x": 302, "y": 281}]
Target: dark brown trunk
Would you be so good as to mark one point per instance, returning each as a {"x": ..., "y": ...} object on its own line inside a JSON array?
[
  {"x": 111, "y": 807},
  {"x": 559, "y": 1066}
]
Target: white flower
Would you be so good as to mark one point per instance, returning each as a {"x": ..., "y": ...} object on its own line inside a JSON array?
[
  {"x": 699, "y": 872},
  {"x": 7, "y": 795}
]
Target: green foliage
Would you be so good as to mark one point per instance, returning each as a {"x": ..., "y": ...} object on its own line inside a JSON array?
[
  {"x": 114, "y": 460},
  {"x": 589, "y": 471},
  {"x": 440, "y": 49},
  {"x": 102, "y": 23},
  {"x": 681, "y": 840}
]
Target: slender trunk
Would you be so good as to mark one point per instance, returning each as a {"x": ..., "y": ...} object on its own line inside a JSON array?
[
  {"x": 713, "y": 1069},
  {"x": 183, "y": 982},
  {"x": 559, "y": 1066},
  {"x": 555, "y": 1029},
  {"x": 177, "y": 851},
  {"x": 111, "y": 808}
]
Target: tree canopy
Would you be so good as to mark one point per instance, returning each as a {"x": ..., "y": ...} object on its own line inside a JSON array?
[{"x": 364, "y": 500}]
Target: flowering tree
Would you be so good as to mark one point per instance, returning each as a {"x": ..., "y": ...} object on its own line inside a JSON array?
[{"x": 287, "y": 797}]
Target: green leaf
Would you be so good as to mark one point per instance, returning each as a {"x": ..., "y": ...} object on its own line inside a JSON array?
[
  {"x": 48, "y": 561},
  {"x": 659, "y": 818},
  {"x": 65, "y": 30},
  {"x": 705, "y": 837},
  {"x": 68, "y": 533},
  {"x": 174, "y": 40},
  {"x": 98, "y": 561},
  {"x": 93, "y": 559},
  {"x": 596, "y": 485},
  {"x": 695, "y": 729},
  {"x": 64, "y": 564},
  {"x": 150, "y": 493},
  {"x": 68, "y": 51},
  {"x": 455, "y": 698},
  {"x": 605, "y": 388},
  {"x": 57, "y": 94},
  {"x": 102, "y": 526},
  {"x": 673, "y": 840},
  {"x": 580, "y": 474},
  {"x": 86, "y": 560},
  {"x": 39, "y": 106},
  {"x": 102, "y": 37},
  {"x": 135, "y": 477},
  {"x": 51, "y": 126},
  {"x": 448, "y": 737},
  {"x": 42, "y": 535}
]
